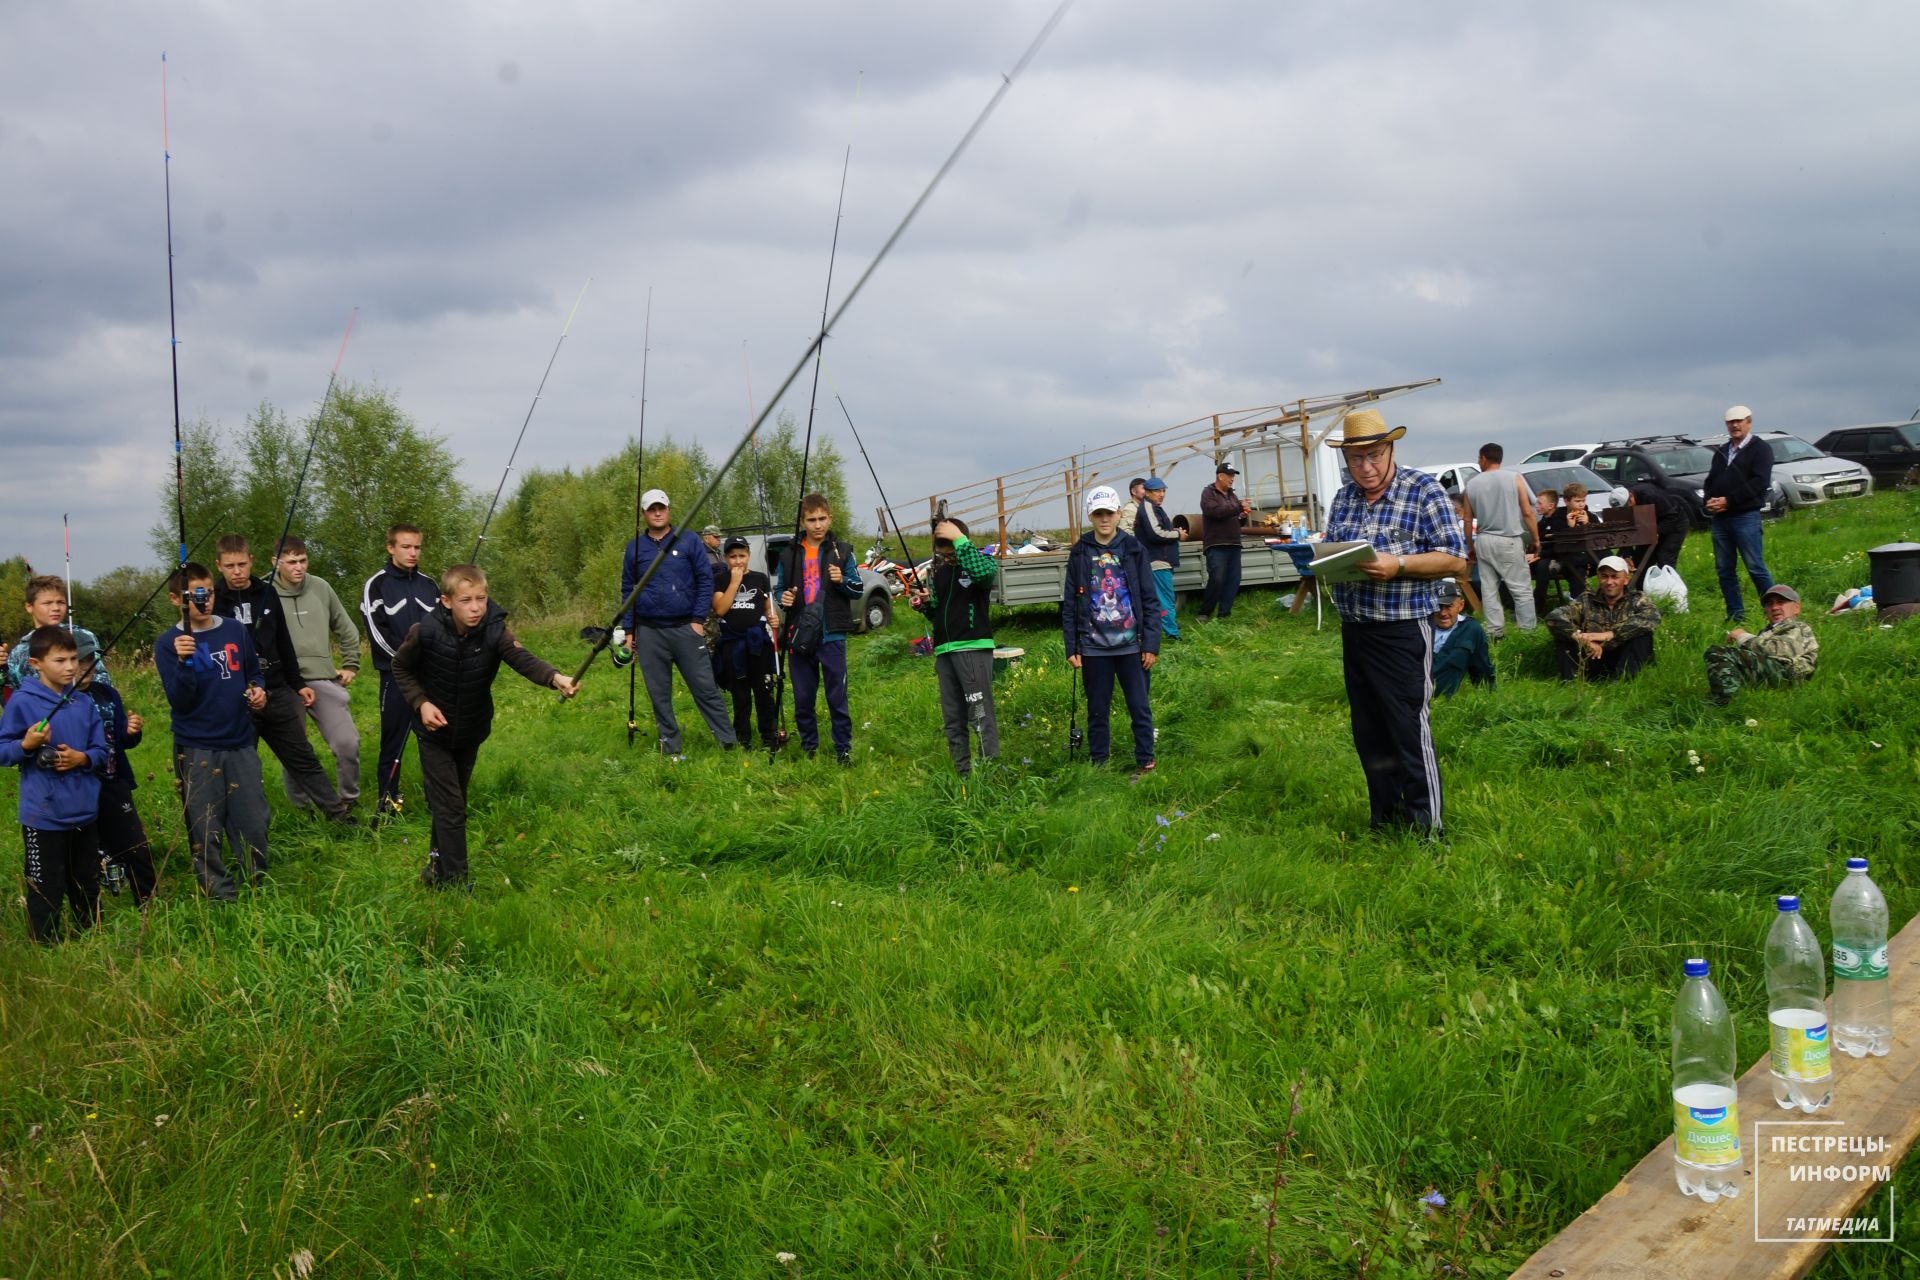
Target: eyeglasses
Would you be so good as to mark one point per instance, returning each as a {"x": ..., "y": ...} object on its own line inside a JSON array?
[{"x": 1371, "y": 458}]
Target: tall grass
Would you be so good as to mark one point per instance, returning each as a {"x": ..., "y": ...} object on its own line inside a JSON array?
[{"x": 699, "y": 1015}]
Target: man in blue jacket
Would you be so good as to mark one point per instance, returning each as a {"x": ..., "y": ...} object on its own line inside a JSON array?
[
  {"x": 1736, "y": 490},
  {"x": 666, "y": 627},
  {"x": 60, "y": 747},
  {"x": 395, "y": 599},
  {"x": 1111, "y": 620},
  {"x": 214, "y": 686}
]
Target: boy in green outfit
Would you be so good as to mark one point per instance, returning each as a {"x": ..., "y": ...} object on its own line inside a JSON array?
[{"x": 956, "y": 606}]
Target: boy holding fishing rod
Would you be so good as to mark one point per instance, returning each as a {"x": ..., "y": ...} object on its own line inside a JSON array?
[
  {"x": 817, "y": 581},
  {"x": 60, "y": 749},
  {"x": 743, "y": 654},
  {"x": 445, "y": 669},
  {"x": 956, "y": 603},
  {"x": 124, "y": 850},
  {"x": 46, "y": 607}
]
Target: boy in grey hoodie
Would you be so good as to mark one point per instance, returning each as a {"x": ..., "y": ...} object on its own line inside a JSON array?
[{"x": 316, "y": 620}]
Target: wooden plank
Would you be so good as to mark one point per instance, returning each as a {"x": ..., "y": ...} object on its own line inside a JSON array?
[{"x": 1645, "y": 1229}]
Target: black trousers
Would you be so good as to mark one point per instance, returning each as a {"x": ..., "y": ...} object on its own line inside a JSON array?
[
  {"x": 1389, "y": 673},
  {"x": 396, "y": 721},
  {"x": 1665, "y": 550},
  {"x": 1223, "y": 581},
  {"x": 1618, "y": 663},
  {"x": 444, "y": 775},
  {"x": 1574, "y": 571},
  {"x": 61, "y": 865},
  {"x": 282, "y": 725},
  {"x": 123, "y": 837},
  {"x": 752, "y": 694}
]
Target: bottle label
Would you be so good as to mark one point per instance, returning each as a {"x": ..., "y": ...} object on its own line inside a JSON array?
[
  {"x": 1707, "y": 1135},
  {"x": 1860, "y": 961},
  {"x": 1801, "y": 1053}
]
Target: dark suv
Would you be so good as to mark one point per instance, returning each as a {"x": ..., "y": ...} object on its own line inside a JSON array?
[
  {"x": 1890, "y": 450},
  {"x": 1678, "y": 464}
]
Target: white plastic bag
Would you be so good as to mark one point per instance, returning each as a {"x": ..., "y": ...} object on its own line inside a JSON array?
[{"x": 1666, "y": 588}]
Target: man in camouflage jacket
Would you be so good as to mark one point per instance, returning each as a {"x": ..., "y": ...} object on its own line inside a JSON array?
[
  {"x": 1605, "y": 634},
  {"x": 1784, "y": 652}
]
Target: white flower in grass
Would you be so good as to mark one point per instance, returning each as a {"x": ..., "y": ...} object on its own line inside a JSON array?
[
  {"x": 786, "y": 1259},
  {"x": 1752, "y": 723}
]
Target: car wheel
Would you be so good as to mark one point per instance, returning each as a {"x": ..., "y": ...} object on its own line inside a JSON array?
[{"x": 878, "y": 612}]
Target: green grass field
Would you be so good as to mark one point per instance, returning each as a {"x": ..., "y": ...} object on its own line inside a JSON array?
[{"x": 699, "y": 1016}]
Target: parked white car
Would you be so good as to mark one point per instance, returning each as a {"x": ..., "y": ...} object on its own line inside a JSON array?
[
  {"x": 1809, "y": 477},
  {"x": 1560, "y": 453},
  {"x": 1452, "y": 476}
]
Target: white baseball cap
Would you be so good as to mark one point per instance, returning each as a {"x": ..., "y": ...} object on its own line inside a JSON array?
[
  {"x": 654, "y": 498},
  {"x": 1104, "y": 498},
  {"x": 1616, "y": 564},
  {"x": 1738, "y": 413}
]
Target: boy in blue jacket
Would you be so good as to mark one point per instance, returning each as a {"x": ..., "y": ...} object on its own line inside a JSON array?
[
  {"x": 214, "y": 685},
  {"x": 124, "y": 848},
  {"x": 818, "y": 577},
  {"x": 1111, "y": 618},
  {"x": 56, "y": 741},
  {"x": 667, "y": 626}
]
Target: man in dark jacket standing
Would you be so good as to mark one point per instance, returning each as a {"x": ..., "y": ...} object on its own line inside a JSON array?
[
  {"x": 1672, "y": 523},
  {"x": 1112, "y": 629},
  {"x": 1222, "y": 514},
  {"x": 1736, "y": 489},
  {"x": 396, "y": 599},
  {"x": 281, "y": 723},
  {"x": 667, "y": 626}
]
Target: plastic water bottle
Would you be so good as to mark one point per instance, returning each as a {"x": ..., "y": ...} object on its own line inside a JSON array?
[
  {"x": 1797, "y": 1011},
  {"x": 1706, "y": 1114},
  {"x": 1862, "y": 1000}
]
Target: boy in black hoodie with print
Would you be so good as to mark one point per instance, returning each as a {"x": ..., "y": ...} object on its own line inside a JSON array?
[
  {"x": 1111, "y": 620},
  {"x": 445, "y": 670},
  {"x": 956, "y": 606}
]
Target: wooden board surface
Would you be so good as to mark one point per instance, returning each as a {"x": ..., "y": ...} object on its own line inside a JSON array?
[{"x": 1645, "y": 1229}]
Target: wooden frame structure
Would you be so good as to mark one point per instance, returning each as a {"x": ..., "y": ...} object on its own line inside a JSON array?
[{"x": 1059, "y": 484}]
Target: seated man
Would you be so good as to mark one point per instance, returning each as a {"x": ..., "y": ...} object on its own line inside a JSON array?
[
  {"x": 1605, "y": 634},
  {"x": 1460, "y": 646},
  {"x": 1784, "y": 652}
]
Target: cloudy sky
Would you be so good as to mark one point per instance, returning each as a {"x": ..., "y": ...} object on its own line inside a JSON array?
[{"x": 1585, "y": 219}]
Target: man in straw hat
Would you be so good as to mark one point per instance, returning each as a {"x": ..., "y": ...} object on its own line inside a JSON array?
[{"x": 1386, "y": 638}]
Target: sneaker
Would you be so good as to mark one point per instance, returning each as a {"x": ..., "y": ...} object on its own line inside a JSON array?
[
  {"x": 843, "y": 757},
  {"x": 1141, "y": 772}
]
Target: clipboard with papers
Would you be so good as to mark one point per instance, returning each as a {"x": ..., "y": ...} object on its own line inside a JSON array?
[{"x": 1341, "y": 561}]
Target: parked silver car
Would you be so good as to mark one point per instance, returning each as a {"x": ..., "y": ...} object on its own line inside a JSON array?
[{"x": 1810, "y": 477}]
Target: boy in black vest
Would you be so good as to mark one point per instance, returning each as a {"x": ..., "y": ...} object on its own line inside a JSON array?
[
  {"x": 445, "y": 670},
  {"x": 962, "y": 590},
  {"x": 819, "y": 575}
]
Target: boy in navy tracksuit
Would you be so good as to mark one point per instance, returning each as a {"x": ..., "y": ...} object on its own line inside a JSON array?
[
  {"x": 1111, "y": 619},
  {"x": 667, "y": 626},
  {"x": 123, "y": 837},
  {"x": 56, "y": 741},
  {"x": 395, "y": 600},
  {"x": 214, "y": 686},
  {"x": 961, "y": 591}
]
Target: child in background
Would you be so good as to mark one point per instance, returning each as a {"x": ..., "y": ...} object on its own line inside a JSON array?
[
  {"x": 46, "y": 607},
  {"x": 1111, "y": 622},
  {"x": 213, "y": 684},
  {"x": 124, "y": 849},
  {"x": 962, "y": 590},
  {"x": 743, "y": 650},
  {"x": 56, "y": 741},
  {"x": 445, "y": 669},
  {"x": 819, "y": 574}
]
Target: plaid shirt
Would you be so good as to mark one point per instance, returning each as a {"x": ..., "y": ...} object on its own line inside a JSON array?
[{"x": 1413, "y": 516}]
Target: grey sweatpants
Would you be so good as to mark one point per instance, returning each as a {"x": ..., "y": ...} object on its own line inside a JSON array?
[
  {"x": 333, "y": 713},
  {"x": 966, "y": 704},
  {"x": 1504, "y": 559},
  {"x": 223, "y": 796},
  {"x": 283, "y": 729},
  {"x": 661, "y": 649}
]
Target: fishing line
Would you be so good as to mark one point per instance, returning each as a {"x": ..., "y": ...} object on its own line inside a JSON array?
[
  {"x": 639, "y": 463},
  {"x": 475, "y": 558},
  {"x": 1007, "y": 80},
  {"x": 173, "y": 340},
  {"x": 313, "y": 437}
]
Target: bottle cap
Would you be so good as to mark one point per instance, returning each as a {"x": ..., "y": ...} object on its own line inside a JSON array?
[
  {"x": 1696, "y": 968},
  {"x": 1787, "y": 902},
  {"x": 1856, "y": 864}
]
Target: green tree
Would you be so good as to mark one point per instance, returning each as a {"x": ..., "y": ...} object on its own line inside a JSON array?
[
  {"x": 110, "y": 601},
  {"x": 775, "y": 476},
  {"x": 214, "y": 480},
  {"x": 271, "y": 452}
]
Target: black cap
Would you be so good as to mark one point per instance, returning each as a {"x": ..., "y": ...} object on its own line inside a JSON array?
[
  {"x": 1450, "y": 590},
  {"x": 735, "y": 544},
  {"x": 1226, "y": 468}
]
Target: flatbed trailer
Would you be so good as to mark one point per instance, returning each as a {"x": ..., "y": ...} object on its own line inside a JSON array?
[{"x": 1040, "y": 577}]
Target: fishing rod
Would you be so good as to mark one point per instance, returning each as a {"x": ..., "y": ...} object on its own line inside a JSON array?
[
  {"x": 1007, "y": 80},
  {"x": 66, "y": 549},
  {"x": 475, "y": 558},
  {"x": 173, "y": 340},
  {"x": 313, "y": 436},
  {"x": 759, "y": 476},
  {"x": 790, "y": 619},
  {"x": 639, "y": 465},
  {"x": 906, "y": 563}
]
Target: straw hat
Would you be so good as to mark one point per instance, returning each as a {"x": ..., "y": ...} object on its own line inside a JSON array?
[{"x": 1363, "y": 428}]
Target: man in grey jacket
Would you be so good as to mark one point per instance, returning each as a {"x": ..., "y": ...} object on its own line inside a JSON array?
[{"x": 316, "y": 620}]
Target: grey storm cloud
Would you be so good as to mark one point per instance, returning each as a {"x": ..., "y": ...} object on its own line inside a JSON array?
[{"x": 1586, "y": 219}]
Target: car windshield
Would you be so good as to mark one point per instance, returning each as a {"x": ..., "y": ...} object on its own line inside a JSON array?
[
  {"x": 1793, "y": 449},
  {"x": 1910, "y": 432},
  {"x": 1552, "y": 477},
  {"x": 1683, "y": 462}
]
